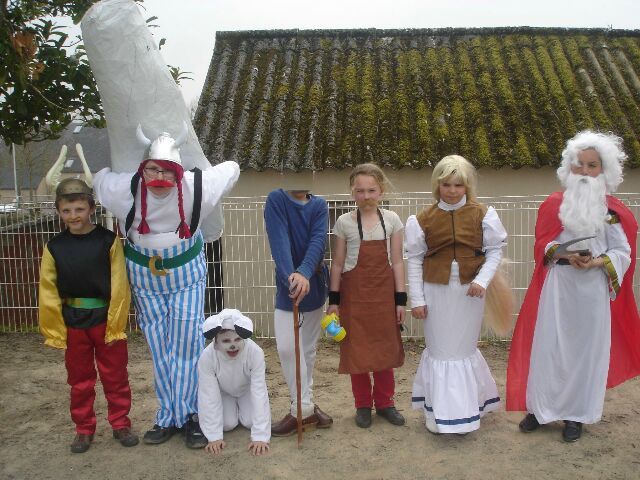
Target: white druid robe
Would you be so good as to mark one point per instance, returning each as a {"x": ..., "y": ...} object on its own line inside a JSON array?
[{"x": 572, "y": 338}]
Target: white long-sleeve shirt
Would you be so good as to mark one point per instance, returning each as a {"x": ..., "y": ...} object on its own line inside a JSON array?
[
  {"x": 493, "y": 239},
  {"x": 237, "y": 377},
  {"x": 113, "y": 191}
]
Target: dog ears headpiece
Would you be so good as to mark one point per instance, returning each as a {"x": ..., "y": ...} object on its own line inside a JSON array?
[{"x": 228, "y": 319}]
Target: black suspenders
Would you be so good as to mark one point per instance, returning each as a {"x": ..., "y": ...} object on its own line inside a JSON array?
[
  {"x": 132, "y": 213},
  {"x": 197, "y": 200},
  {"x": 360, "y": 224}
]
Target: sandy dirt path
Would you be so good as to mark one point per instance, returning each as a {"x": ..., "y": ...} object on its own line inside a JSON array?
[{"x": 36, "y": 431}]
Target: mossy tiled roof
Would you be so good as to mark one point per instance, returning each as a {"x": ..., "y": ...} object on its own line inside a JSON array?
[{"x": 319, "y": 99}]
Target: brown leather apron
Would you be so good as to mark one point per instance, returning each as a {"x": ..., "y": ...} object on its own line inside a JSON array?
[{"x": 368, "y": 311}]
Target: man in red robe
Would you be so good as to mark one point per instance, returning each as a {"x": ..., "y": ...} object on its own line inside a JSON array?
[{"x": 578, "y": 331}]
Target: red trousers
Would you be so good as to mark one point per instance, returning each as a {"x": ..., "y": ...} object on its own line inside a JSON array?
[
  {"x": 85, "y": 350},
  {"x": 382, "y": 393}
]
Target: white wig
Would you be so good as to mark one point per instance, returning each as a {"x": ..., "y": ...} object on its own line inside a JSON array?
[{"x": 609, "y": 148}]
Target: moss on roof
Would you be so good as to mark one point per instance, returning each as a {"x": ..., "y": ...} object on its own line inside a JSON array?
[{"x": 315, "y": 99}]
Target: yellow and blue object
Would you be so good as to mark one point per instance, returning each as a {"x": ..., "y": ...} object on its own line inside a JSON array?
[{"x": 331, "y": 325}]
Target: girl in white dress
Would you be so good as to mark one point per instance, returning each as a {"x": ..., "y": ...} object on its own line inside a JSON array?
[{"x": 454, "y": 248}]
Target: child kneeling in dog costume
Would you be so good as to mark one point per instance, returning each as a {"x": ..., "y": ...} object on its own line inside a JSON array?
[{"x": 231, "y": 383}]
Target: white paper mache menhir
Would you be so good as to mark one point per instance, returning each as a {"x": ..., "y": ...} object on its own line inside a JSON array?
[{"x": 136, "y": 87}]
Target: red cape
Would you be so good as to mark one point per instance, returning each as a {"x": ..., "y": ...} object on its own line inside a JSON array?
[{"x": 625, "y": 323}]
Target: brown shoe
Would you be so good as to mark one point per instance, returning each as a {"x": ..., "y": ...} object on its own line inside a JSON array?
[
  {"x": 289, "y": 425},
  {"x": 324, "y": 420},
  {"x": 81, "y": 443},
  {"x": 125, "y": 437}
]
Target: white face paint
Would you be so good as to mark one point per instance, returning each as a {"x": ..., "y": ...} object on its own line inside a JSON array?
[{"x": 229, "y": 342}]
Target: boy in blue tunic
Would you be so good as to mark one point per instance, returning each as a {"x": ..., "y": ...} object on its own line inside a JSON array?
[{"x": 296, "y": 222}]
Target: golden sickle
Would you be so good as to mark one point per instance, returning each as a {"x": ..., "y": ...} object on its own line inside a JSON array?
[{"x": 152, "y": 266}]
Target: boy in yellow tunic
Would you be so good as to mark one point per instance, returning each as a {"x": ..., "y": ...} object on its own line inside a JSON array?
[{"x": 84, "y": 303}]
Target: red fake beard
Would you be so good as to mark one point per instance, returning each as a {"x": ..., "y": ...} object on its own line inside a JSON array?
[{"x": 161, "y": 183}]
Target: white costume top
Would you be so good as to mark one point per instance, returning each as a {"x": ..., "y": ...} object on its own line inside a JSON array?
[
  {"x": 571, "y": 345},
  {"x": 493, "y": 239},
  {"x": 346, "y": 227},
  {"x": 236, "y": 377},
  {"x": 113, "y": 191}
]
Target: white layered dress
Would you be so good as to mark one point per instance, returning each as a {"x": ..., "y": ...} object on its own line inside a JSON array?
[{"x": 453, "y": 385}]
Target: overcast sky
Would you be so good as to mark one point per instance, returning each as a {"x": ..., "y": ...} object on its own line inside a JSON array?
[{"x": 190, "y": 25}]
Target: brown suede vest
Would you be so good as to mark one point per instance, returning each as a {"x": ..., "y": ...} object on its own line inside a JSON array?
[{"x": 454, "y": 235}]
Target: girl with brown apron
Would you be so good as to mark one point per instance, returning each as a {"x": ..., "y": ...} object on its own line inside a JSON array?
[{"x": 370, "y": 299}]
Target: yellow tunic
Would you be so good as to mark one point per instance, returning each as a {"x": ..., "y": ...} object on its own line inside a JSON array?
[{"x": 52, "y": 324}]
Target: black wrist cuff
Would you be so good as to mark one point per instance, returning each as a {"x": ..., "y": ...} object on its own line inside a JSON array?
[
  {"x": 401, "y": 299},
  {"x": 334, "y": 298}
]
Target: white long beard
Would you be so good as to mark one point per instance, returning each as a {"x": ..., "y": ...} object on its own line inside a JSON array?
[{"x": 584, "y": 205}]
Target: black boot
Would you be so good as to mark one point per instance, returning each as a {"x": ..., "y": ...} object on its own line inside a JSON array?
[
  {"x": 529, "y": 423},
  {"x": 571, "y": 431},
  {"x": 392, "y": 415},
  {"x": 363, "y": 417},
  {"x": 193, "y": 436},
  {"x": 158, "y": 435}
]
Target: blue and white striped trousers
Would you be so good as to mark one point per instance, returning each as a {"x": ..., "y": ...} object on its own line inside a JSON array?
[{"x": 170, "y": 312}]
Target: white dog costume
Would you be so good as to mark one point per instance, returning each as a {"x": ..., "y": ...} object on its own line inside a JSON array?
[{"x": 231, "y": 379}]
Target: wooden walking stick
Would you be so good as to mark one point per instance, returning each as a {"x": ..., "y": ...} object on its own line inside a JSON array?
[{"x": 296, "y": 336}]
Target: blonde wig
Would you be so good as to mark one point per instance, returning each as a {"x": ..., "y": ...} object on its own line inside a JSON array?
[
  {"x": 454, "y": 167},
  {"x": 499, "y": 304}
]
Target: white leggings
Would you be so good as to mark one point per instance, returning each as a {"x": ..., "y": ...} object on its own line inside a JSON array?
[
  {"x": 236, "y": 410},
  {"x": 309, "y": 333}
]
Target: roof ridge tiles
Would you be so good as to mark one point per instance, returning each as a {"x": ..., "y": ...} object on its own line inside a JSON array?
[
  {"x": 502, "y": 97},
  {"x": 411, "y": 32}
]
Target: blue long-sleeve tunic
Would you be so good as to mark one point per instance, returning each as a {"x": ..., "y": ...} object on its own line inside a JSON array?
[{"x": 297, "y": 236}]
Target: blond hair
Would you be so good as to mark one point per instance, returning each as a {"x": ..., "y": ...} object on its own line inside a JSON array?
[
  {"x": 372, "y": 170},
  {"x": 454, "y": 167},
  {"x": 500, "y": 303}
]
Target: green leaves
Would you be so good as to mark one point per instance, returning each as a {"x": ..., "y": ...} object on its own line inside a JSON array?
[
  {"x": 179, "y": 75},
  {"x": 46, "y": 82}
]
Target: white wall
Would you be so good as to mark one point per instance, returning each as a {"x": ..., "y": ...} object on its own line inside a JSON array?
[{"x": 507, "y": 181}]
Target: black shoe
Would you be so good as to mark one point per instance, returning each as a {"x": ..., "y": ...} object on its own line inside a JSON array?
[
  {"x": 158, "y": 435},
  {"x": 363, "y": 417},
  {"x": 81, "y": 443},
  {"x": 193, "y": 436},
  {"x": 392, "y": 415},
  {"x": 126, "y": 437},
  {"x": 572, "y": 431},
  {"x": 529, "y": 423}
]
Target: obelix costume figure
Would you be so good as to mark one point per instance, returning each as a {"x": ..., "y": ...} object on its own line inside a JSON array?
[{"x": 159, "y": 210}]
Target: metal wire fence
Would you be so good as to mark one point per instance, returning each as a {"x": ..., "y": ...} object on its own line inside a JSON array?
[{"x": 241, "y": 272}]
